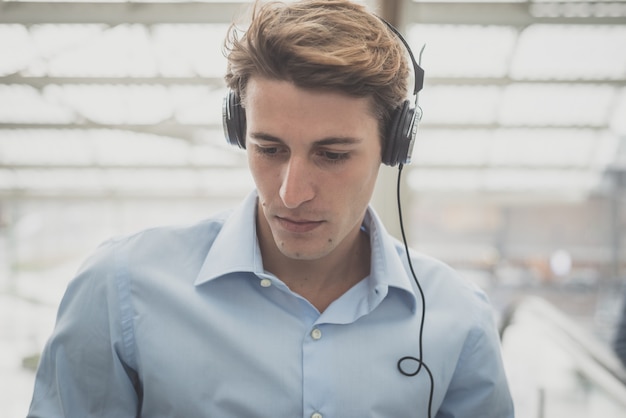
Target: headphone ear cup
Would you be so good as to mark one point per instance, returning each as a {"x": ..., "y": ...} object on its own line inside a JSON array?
[
  {"x": 400, "y": 137},
  {"x": 234, "y": 120}
]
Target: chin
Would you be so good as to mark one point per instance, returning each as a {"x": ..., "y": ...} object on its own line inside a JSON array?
[{"x": 302, "y": 253}]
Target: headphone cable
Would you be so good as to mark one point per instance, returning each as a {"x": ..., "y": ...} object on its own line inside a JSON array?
[{"x": 421, "y": 293}]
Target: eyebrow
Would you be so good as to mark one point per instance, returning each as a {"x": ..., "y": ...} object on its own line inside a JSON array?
[{"x": 340, "y": 140}]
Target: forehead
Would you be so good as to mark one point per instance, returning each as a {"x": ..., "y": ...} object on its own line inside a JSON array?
[{"x": 281, "y": 104}]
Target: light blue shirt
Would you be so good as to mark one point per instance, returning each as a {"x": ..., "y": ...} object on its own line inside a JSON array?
[{"x": 184, "y": 322}]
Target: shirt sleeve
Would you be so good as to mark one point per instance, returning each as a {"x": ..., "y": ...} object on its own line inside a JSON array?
[
  {"x": 479, "y": 387},
  {"x": 86, "y": 368}
]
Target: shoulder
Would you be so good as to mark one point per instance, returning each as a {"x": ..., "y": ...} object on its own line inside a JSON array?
[
  {"x": 171, "y": 235},
  {"x": 152, "y": 248},
  {"x": 446, "y": 288},
  {"x": 163, "y": 238}
]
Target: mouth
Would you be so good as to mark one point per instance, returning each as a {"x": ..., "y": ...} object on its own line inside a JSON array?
[{"x": 298, "y": 225}]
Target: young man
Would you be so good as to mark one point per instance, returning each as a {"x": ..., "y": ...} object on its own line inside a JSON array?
[{"x": 298, "y": 303}]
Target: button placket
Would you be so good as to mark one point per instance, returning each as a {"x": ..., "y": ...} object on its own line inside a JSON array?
[{"x": 314, "y": 370}]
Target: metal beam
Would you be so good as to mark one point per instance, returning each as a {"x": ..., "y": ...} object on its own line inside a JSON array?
[
  {"x": 220, "y": 167},
  {"x": 118, "y": 13},
  {"x": 170, "y": 129},
  {"x": 39, "y": 82},
  {"x": 189, "y": 131},
  {"x": 482, "y": 13},
  {"x": 218, "y": 82},
  {"x": 520, "y": 14},
  {"x": 21, "y": 195}
]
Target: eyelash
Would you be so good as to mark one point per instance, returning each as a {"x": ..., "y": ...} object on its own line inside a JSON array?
[
  {"x": 328, "y": 156},
  {"x": 267, "y": 151},
  {"x": 338, "y": 157}
]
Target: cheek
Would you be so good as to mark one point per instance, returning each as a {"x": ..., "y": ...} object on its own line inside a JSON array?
[
  {"x": 367, "y": 180},
  {"x": 261, "y": 173},
  {"x": 353, "y": 195}
]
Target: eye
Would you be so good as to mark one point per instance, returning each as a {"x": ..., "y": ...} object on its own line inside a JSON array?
[
  {"x": 267, "y": 151},
  {"x": 334, "y": 157}
]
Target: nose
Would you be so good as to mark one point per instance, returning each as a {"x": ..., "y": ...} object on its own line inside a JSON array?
[{"x": 297, "y": 184}]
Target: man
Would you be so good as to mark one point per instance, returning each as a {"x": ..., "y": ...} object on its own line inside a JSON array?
[{"x": 298, "y": 303}]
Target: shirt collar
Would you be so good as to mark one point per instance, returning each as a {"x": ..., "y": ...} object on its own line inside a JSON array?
[
  {"x": 236, "y": 249},
  {"x": 389, "y": 267}
]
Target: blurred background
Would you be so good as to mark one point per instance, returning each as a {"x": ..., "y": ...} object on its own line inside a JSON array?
[{"x": 110, "y": 121}]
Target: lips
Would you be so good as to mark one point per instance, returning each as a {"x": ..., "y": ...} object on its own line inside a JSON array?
[{"x": 298, "y": 225}]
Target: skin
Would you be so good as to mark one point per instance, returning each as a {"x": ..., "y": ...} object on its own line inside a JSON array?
[{"x": 314, "y": 156}]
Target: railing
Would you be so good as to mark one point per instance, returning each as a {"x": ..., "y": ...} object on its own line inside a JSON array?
[{"x": 558, "y": 370}]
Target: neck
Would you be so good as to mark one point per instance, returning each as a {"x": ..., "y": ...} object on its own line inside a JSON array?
[{"x": 321, "y": 281}]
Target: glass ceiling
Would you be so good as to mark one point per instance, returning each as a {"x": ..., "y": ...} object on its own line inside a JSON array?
[{"x": 103, "y": 99}]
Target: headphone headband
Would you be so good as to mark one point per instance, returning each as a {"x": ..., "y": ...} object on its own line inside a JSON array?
[{"x": 418, "y": 71}]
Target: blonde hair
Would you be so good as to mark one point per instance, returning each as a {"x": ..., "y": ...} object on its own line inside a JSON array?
[{"x": 320, "y": 44}]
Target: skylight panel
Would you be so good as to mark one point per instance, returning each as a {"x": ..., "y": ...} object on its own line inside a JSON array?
[
  {"x": 538, "y": 181},
  {"x": 618, "y": 118},
  {"x": 606, "y": 151},
  {"x": 440, "y": 180},
  {"x": 138, "y": 149},
  {"x": 214, "y": 150},
  {"x": 460, "y": 104},
  {"x": 52, "y": 40},
  {"x": 146, "y": 180},
  {"x": 117, "y": 104},
  {"x": 128, "y": 182},
  {"x": 184, "y": 50},
  {"x": 109, "y": 147},
  {"x": 7, "y": 179},
  {"x": 197, "y": 105},
  {"x": 60, "y": 180},
  {"x": 16, "y": 49},
  {"x": 23, "y": 147},
  {"x": 24, "y": 104},
  {"x": 514, "y": 148},
  {"x": 178, "y": 181},
  {"x": 464, "y": 51},
  {"x": 448, "y": 148},
  {"x": 127, "y": 50},
  {"x": 120, "y": 51},
  {"x": 571, "y": 52},
  {"x": 555, "y": 105},
  {"x": 543, "y": 147},
  {"x": 552, "y": 183}
]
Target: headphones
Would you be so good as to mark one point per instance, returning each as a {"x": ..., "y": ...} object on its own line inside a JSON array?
[{"x": 401, "y": 133}]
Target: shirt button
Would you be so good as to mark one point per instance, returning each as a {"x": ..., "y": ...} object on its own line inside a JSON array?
[
  {"x": 316, "y": 334},
  {"x": 266, "y": 282},
  {"x": 316, "y": 415}
]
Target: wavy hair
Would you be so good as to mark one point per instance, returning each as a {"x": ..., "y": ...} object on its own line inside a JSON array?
[{"x": 334, "y": 45}]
